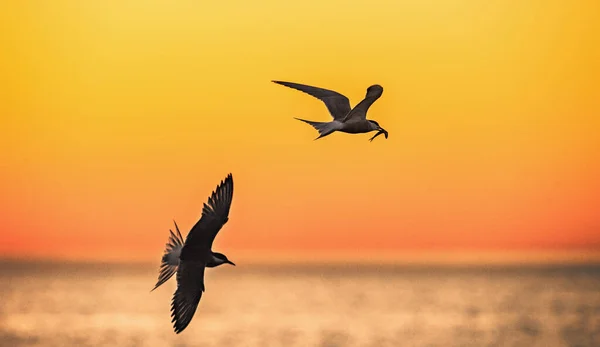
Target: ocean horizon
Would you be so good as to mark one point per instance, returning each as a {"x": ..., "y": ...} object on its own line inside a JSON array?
[{"x": 110, "y": 304}]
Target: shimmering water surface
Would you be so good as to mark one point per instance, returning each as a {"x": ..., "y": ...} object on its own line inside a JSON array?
[{"x": 110, "y": 305}]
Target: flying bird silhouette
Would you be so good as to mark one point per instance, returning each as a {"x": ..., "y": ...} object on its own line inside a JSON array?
[
  {"x": 189, "y": 259},
  {"x": 345, "y": 119}
]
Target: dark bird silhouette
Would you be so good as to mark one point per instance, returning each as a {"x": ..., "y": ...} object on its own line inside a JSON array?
[
  {"x": 189, "y": 259},
  {"x": 345, "y": 119}
]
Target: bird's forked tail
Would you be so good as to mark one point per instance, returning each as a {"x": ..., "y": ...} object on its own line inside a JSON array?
[
  {"x": 170, "y": 259},
  {"x": 324, "y": 128}
]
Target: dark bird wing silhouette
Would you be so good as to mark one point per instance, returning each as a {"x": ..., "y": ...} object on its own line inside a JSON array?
[
  {"x": 190, "y": 285},
  {"x": 215, "y": 213},
  {"x": 337, "y": 104},
  {"x": 359, "y": 112},
  {"x": 198, "y": 244},
  {"x": 170, "y": 259}
]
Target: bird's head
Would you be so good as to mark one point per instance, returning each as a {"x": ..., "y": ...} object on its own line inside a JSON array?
[
  {"x": 380, "y": 130},
  {"x": 222, "y": 259},
  {"x": 375, "y": 90}
]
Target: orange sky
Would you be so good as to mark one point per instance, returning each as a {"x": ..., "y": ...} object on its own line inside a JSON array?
[{"x": 118, "y": 116}]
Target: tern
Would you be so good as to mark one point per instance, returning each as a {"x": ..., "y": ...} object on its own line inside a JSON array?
[
  {"x": 345, "y": 119},
  {"x": 190, "y": 258}
]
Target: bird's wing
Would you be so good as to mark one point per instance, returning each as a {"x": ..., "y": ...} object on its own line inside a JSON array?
[
  {"x": 337, "y": 104},
  {"x": 190, "y": 285},
  {"x": 170, "y": 259},
  {"x": 215, "y": 214},
  {"x": 359, "y": 112}
]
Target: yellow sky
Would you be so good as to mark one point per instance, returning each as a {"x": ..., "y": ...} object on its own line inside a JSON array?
[{"x": 117, "y": 117}]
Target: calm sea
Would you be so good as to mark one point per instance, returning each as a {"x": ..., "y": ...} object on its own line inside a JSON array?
[{"x": 110, "y": 305}]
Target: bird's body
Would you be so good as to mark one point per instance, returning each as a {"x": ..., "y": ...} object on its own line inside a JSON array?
[
  {"x": 190, "y": 258},
  {"x": 345, "y": 119}
]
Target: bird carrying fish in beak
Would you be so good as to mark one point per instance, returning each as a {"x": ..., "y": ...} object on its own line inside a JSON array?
[
  {"x": 381, "y": 131},
  {"x": 345, "y": 118}
]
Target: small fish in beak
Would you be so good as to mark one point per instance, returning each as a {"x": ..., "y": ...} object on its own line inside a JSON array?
[{"x": 381, "y": 131}]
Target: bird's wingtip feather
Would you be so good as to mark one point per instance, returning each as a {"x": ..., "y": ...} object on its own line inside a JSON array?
[{"x": 283, "y": 83}]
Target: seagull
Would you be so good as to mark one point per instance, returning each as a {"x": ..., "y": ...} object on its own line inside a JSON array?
[
  {"x": 189, "y": 258},
  {"x": 345, "y": 119}
]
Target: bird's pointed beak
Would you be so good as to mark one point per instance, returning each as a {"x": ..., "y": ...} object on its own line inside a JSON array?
[
  {"x": 385, "y": 133},
  {"x": 379, "y": 132},
  {"x": 230, "y": 262}
]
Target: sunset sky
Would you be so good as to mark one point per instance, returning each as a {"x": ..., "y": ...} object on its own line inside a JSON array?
[{"x": 119, "y": 116}]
